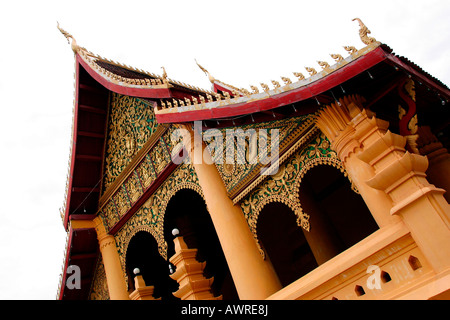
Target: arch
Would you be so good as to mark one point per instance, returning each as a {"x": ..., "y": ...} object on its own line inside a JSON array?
[
  {"x": 187, "y": 211},
  {"x": 284, "y": 186},
  {"x": 150, "y": 217},
  {"x": 333, "y": 225},
  {"x": 142, "y": 252},
  {"x": 321, "y": 196},
  {"x": 284, "y": 242},
  {"x": 302, "y": 219},
  {"x": 141, "y": 228},
  {"x": 163, "y": 208}
]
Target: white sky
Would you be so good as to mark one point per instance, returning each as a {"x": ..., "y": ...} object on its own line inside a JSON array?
[{"x": 240, "y": 42}]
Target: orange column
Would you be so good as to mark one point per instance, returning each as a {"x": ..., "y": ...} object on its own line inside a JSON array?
[
  {"x": 349, "y": 127},
  {"x": 321, "y": 238},
  {"x": 438, "y": 171},
  {"x": 253, "y": 276},
  {"x": 114, "y": 275}
]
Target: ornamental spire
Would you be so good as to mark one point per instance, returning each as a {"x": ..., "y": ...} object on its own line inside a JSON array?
[
  {"x": 363, "y": 33},
  {"x": 68, "y": 36},
  {"x": 211, "y": 78}
]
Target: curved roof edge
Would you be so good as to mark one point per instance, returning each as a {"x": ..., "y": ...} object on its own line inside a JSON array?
[{"x": 305, "y": 88}]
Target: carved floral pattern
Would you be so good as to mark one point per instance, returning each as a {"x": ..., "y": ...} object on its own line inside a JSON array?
[
  {"x": 244, "y": 160},
  {"x": 150, "y": 217},
  {"x": 131, "y": 123},
  {"x": 99, "y": 289},
  {"x": 284, "y": 185}
]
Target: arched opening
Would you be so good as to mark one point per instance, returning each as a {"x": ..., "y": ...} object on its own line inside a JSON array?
[
  {"x": 339, "y": 218},
  {"x": 284, "y": 242},
  {"x": 143, "y": 253},
  {"x": 187, "y": 212},
  {"x": 340, "y": 214}
]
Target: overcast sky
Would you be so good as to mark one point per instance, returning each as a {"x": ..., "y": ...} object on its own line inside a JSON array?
[{"x": 240, "y": 42}]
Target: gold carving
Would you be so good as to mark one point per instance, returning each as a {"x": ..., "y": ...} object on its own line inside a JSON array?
[
  {"x": 284, "y": 186},
  {"x": 299, "y": 75},
  {"x": 350, "y": 49},
  {"x": 255, "y": 89},
  {"x": 265, "y": 87},
  {"x": 160, "y": 157},
  {"x": 276, "y": 84},
  {"x": 337, "y": 57},
  {"x": 286, "y": 80},
  {"x": 164, "y": 74},
  {"x": 210, "y": 77},
  {"x": 412, "y": 125},
  {"x": 311, "y": 71},
  {"x": 323, "y": 64},
  {"x": 133, "y": 187},
  {"x": 121, "y": 201},
  {"x": 410, "y": 88},
  {"x": 99, "y": 289},
  {"x": 363, "y": 33},
  {"x": 131, "y": 123},
  {"x": 146, "y": 172},
  {"x": 68, "y": 36}
]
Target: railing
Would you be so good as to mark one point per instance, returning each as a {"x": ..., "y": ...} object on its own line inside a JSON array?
[{"x": 385, "y": 265}]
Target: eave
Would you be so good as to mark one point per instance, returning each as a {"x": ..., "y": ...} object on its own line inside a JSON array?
[{"x": 311, "y": 88}]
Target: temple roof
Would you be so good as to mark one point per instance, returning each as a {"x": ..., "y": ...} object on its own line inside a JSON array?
[
  {"x": 128, "y": 80},
  {"x": 373, "y": 71},
  {"x": 238, "y": 102}
]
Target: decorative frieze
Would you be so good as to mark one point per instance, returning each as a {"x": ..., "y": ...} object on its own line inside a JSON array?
[
  {"x": 131, "y": 123},
  {"x": 284, "y": 186}
]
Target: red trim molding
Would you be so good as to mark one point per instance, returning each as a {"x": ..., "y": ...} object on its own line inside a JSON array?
[
  {"x": 157, "y": 93},
  {"x": 328, "y": 82}
]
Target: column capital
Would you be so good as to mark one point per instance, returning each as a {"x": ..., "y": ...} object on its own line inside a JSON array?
[
  {"x": 102, "y": 234},
  {"x": 335, "y": 122},
  {"x": 350, "y": 129}
]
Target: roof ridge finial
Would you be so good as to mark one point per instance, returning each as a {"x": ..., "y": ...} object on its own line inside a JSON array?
[
  {"x": 164, "y": 74},
  {"x": 363, "y": 33},
  {"x": 211, "y": 78},
  {"x": 68, "y": 36}
]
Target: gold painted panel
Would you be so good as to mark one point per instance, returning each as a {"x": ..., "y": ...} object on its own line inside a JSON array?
[
  {"x": 146, "y": 172},
  {"x": 160, "y": 156},
  {"x": 131, "y": 122},
  {"x": 133, "y": 188},
  {"x": 247, "y": 159},
  {"x": 99, "y": 288},
  {"x": 121, "y": 201}
]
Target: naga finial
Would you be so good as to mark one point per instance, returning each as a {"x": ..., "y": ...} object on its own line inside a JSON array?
[
  {"x": 68, "y": 36},
  {"x": 164, "y": 74},
  {"x": 210, "y": 77},
  {"x": 311, "y": 71},
  {"x": 363, "y": 33}
]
